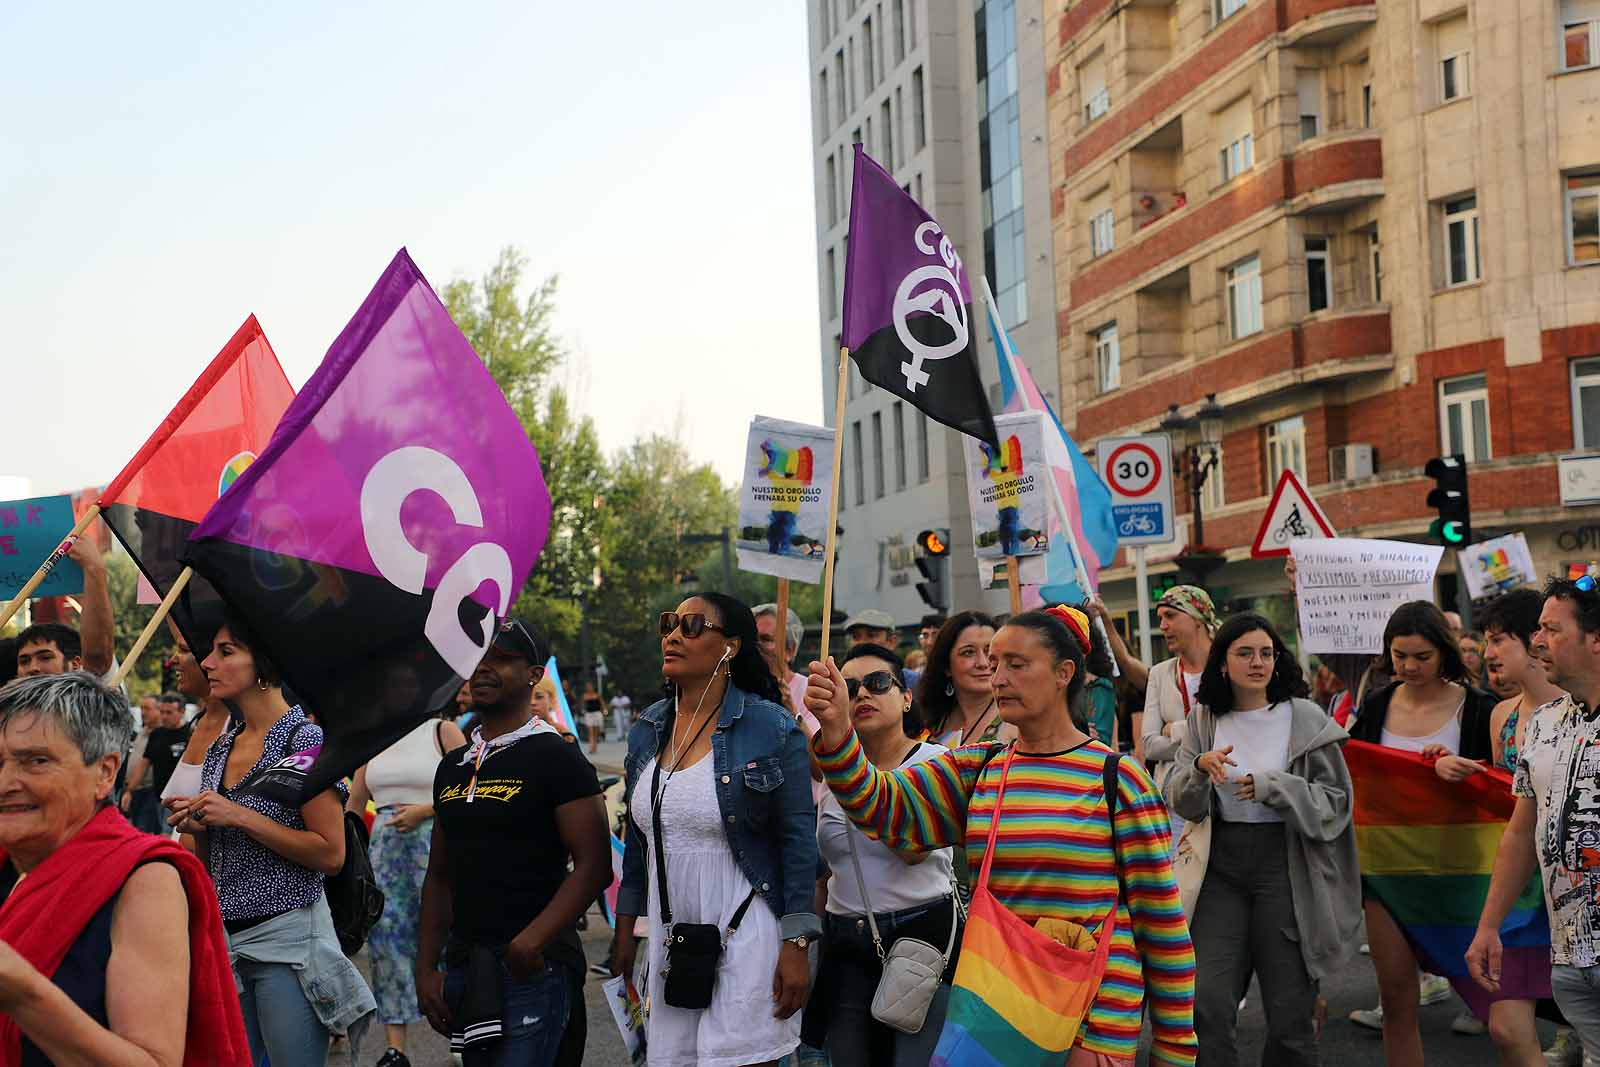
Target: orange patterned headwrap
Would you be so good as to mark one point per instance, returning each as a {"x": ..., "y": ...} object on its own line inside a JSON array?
[{"x": 1076, "y": 621}]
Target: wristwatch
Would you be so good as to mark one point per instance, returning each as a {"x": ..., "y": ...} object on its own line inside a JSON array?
[{"x": 802, "y": 942}]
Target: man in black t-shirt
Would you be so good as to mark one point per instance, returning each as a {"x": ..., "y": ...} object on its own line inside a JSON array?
[
  {"x": 511, "y": 810},
  {"x": 163, "y": 747}
]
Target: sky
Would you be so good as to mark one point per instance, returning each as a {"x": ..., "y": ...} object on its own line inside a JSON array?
[{"x": 168, "y": 169}]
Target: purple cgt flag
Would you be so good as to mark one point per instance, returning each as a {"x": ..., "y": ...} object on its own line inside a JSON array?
[
  {"x": 908, "y": 306},
  {"x": 386, "y": 528}
]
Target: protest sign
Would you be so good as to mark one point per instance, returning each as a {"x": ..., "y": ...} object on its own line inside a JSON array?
[
  {"x": 1492, "y": 567},
  {"x": 783, "y": 506},
  {"x": 627, "y": 1011},
  {"x": 1007, "y": 490},
  {"x": 30, "y": 530},
  {"x": 1346, "y": 589}
]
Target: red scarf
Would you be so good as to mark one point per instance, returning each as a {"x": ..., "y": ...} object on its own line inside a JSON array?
[{"x": 48, "y": 910}]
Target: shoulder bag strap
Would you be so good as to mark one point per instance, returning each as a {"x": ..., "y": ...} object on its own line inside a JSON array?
[
  {"x": 994, "y": 819},
  {"x": 861, "y": 884},
  {"x": 661, "y": 859},
  {"x": 1110, "y": 785}
]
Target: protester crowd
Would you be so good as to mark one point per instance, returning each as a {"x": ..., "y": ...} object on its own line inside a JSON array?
[{"x": 1031, "y": 845}]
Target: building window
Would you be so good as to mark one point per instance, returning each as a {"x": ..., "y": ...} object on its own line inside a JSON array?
[
  {"x": 1586, "y": 403},
  {"x": 850, "y": 69},
  {"x": 919, "y": 126},
  {"x": 833, "y": 190},
  {"x": 1580, "y": 34},
  {"x": 822, "y": 104},
  {"x": 877, "y": 454},
  {"x": 1092, "y": 87},
  {"x": 839, "y": 84},
  {"x": 859, "y": 463},
  {"x": 1244, "y": 298},
  {"x": 922, "y": 448},
  {"x": 1461, "y": 241},
  {"x": 1583, "y": 219},
  {"x": 899, "y": 430},
  {"x": 1319, "y": 279},
  {"x": 1309, "y": 89},
  {"x": 1107, "y": 359},
  {"x": 1464, "y": 417},
  {"x": 886, "y": 124},
  {"x": 867, "y": 56},
  {"x": 1005, "y": 260},
  {"x": 833, "y": 284},
  {"x": 1366, "y": 106},
  {"x": 1102, "y": 225},
  {"x": 1213, "y": 496},
  {"x": 1286, "y": 449},
  {"x": 1375, "y": 251},
  {"x": 1453, "y": 45},
  {"x": 1235, "y": 133},
  {"x": 899, "y": 30},
  {"x": 1227, "y": 8}
]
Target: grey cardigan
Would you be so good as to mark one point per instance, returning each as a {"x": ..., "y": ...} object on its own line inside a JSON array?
[{"x": 1315, "y": 798}]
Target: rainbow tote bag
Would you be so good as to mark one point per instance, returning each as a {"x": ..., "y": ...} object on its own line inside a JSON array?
[{"x": 1019, "y": 997}]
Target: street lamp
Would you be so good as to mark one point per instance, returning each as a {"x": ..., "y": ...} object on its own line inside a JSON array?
[{"x": 1201, "y": 455}]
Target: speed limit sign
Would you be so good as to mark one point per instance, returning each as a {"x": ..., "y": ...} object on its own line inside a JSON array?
[{"x": 1139, "y": 472}]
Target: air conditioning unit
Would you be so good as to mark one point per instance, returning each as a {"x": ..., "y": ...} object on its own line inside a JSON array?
[{"x": 1349, "y": 462}]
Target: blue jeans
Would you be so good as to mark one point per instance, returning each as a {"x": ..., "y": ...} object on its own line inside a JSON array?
[
  {"x": 1577, "y": 991},
  {"x": 278, "y": 1019},
  {"x": 540, "y": 1026}
]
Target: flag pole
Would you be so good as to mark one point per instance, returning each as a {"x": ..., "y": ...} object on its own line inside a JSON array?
[
  {"x": 16, "y": 602},
  {"x": 1014, "y": 585},
  {"x": 1079, "y": 571},
  {"x": 126, "y": 667},
  {"x": 833, "y": 506},
  {"x": 784, "y": 651}
]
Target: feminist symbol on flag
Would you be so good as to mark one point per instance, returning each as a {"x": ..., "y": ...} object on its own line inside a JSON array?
[{"x": 945, "y": 304}]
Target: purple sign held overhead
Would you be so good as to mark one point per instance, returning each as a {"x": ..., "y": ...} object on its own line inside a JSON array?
[{"x": 386, "y": 527}]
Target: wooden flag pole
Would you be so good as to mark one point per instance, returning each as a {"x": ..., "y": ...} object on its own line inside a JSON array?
[
  {"x": 150, "y": 627},
  {"x": 1014, "y": 584},
  {"x": 48, "y": 565},
  {"x": 833, "y": 505},
  {"x": 784, "y": 651}
]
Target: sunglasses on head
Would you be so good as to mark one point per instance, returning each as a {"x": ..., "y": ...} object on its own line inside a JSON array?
[
  {"x": 877, "y": 683},
  {"x": 1586, "y": 584},
  {"x": 692, "y": 623}
]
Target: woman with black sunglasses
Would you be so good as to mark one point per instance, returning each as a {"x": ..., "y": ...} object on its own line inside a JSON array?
[
  {"x": 721, "y": 836},
  {"x": 908, "y": 894}
]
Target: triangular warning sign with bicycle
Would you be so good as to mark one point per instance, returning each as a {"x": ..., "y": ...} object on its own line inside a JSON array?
[{"x": 1292, "y": 516}]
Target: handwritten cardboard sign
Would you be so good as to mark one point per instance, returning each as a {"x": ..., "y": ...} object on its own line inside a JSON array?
[
  {"x": 1346, "y": 588},
  {"x": 30, "y": 530}
]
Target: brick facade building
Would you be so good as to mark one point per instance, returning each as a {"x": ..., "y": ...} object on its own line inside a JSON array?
[{"x": 1371, "y": 229}]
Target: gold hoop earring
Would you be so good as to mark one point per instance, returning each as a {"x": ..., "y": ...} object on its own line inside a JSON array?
[{"x": 261, "y": 685}]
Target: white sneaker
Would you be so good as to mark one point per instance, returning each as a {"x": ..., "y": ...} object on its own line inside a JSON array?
[
  {"x": 1468, "y": 1025},
  {"x": 1566, "y": 1050},
  {"x": 1369, "y": 1018},
  {"x": 1435, "y": 989}
]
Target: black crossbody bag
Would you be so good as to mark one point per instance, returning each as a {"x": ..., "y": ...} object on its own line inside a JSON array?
[{"x": 693, "y": 949}]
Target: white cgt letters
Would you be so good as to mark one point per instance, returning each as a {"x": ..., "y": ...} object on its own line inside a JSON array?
[
  {"x": 942, "y": 299},
  {"x": 390, "y": 481}
]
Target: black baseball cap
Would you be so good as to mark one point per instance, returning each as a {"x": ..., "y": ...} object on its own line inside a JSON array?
[{"x": 513, "y": 636}]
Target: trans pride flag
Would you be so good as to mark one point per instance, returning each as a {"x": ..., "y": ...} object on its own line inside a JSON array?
[
  {"x": 1427, "y": 848},
  {"x": 1084, "y": 494},
  {"x": 385, "y": 529}
]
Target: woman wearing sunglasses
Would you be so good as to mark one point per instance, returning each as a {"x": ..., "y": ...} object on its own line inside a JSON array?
[
  {"x": 721, "y": 840},
  {"x": 908, "y": 894},
  {"x": 1281, "y": 891},
  {"x": 1061, "y": 861}
]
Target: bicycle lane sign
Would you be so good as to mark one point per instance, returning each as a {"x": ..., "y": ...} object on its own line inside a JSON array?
[
  {"x": 1292, "y": 515},
  {"x": 1138, "y": 471}
]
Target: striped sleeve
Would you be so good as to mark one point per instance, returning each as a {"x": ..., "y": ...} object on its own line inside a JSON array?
[
  {"x": 1143, "y": 832},
  {"x": 914, "y": 809}
]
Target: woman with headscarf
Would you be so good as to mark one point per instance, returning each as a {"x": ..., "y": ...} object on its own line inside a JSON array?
[
  {"x": 1187, "y": 620},
  {"x": 1066, "y": 867},
  {"x": 111, "y": 948},
  {"x": 721, "y": 841}
]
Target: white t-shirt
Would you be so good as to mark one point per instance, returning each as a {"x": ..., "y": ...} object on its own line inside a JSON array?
[
  {"x": 1558, "y": 767},
  {"x": 1260, "y": 740},
  {"x": 620, "y": 702},
  {"x": 892, "y": 883}
]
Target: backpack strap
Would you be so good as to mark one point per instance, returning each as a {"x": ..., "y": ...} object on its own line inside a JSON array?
[{"x": 1110, "y": 780}]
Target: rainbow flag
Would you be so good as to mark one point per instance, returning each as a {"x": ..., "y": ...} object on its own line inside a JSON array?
[{"x": 1427, "y": 848}]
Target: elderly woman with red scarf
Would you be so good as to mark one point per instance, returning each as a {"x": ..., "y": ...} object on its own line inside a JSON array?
[{"x": 111, "y": 943}]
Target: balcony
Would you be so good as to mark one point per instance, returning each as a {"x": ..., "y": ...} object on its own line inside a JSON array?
[
  {"x": 1154, "y": 166},
  {"x": 1321, "y": 23},
  {"x": 1336, "y": 173}
]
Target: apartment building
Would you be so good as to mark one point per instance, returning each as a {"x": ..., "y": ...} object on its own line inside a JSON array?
[
  {"x": 948, "y": 95},
  {"x": 1371, "y": 230}
]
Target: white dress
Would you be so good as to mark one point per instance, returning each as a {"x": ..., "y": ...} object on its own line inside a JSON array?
[{"x": 707, "y": 886}]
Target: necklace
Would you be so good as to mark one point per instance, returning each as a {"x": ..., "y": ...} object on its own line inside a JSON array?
[{"x": 981, "y": 720}]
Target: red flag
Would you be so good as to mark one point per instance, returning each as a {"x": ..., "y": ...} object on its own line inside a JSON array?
[{"x": 215, "y": 431}]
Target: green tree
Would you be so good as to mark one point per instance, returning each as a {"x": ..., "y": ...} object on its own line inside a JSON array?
[{"x": 513, "y": 335}]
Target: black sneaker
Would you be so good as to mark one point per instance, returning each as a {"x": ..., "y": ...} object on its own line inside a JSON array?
[{"x": 393, "y": 1058}]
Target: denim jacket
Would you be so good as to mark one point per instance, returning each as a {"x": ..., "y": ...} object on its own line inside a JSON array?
[{"x": 763, "y": 779}]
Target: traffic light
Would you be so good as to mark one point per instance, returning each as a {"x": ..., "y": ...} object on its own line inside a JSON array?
[
  {"x": 1453, "y": 527},
  {"x": 932, "y": 552}
]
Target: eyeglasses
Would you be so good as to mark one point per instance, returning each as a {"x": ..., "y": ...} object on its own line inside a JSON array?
[
  {"x": 877, "y": 683},
  {"x": 692, "y": 623},
  {"x": 1265, "y": 655}
]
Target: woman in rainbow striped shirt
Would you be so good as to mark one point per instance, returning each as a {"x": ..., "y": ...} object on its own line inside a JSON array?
[{"x": 1060, "y": 860}]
